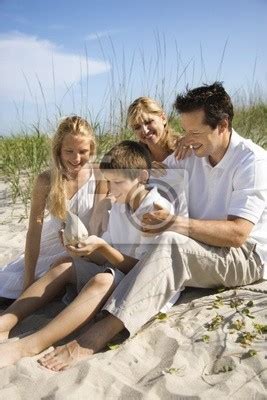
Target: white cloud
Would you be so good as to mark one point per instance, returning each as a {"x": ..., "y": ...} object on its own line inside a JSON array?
[
  {"x": 28, "y": 56},
  {"x": 99, "y": 35}
]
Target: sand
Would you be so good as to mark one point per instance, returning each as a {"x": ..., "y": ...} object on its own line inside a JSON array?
[{"x": 167, "y": 359}]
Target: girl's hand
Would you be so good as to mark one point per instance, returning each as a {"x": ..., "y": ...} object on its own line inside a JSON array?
[
  {"x": 83, "y": 249},
  {"x": 28, "y": 281},
  {"x": 100, "y": 216}
]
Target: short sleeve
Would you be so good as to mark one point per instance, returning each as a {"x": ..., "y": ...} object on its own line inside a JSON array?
[{"x": 249, "y": 196}]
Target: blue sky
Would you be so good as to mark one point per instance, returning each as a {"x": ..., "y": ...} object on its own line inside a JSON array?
[{"x": 89, "y": 57}]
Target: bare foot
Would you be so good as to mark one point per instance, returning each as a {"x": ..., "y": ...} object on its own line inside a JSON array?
[
  {"x": 7, "y": 322},
  {"x": 4, "y": 335},
  {"x": 64, "y": 357},
  {"x": 11, "y": 352}
]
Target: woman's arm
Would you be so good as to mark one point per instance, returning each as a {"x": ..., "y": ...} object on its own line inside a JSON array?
[{"x": 32, "y": 248}]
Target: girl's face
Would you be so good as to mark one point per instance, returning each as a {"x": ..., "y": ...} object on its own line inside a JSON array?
[
  {"x": 75, "y": 153},
  {"x": 150, "y": 129}
]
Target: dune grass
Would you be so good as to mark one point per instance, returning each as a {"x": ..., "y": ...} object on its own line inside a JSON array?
[{"x": 24, "y": 155}]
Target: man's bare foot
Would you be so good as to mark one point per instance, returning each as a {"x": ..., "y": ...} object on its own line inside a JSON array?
[{"x": 66, "y": 356}]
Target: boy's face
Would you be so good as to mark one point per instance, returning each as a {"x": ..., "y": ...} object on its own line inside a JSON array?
[{"x": 121, "y": 187}]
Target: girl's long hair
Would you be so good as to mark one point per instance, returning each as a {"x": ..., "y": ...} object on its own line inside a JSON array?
[{"x": 57, "y": 197}]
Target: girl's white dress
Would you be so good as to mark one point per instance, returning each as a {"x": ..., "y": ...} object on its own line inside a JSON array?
[{"x": 51, "y": 248}]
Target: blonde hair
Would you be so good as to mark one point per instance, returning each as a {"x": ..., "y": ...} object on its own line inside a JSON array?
[
  {"x": 75, "y": 126},
  {"x": 143, "y": 106}
]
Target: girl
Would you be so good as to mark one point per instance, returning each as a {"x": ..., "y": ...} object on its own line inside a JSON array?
[{"x": 70, "y": 184}]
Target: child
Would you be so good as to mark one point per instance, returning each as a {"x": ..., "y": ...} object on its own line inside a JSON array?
[
  {"x": 126, "y": 168},
  {"x": 70, "y": 183}
]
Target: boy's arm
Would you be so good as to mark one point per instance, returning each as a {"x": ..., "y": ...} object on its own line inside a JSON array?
[
  {"x": 99, "y": 251},
  {"x": 119, "y": 260}
]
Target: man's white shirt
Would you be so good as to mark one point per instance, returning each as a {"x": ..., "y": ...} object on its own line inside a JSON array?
[{"x": 236, "y": 186}]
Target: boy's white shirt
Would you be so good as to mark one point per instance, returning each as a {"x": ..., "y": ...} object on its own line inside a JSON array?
[
  {"x": 126, "y": 238},
  {"x": 123, "y": 233}
]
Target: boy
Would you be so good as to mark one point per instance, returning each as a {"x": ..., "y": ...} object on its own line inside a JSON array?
[{"x": 108, "y": 258}]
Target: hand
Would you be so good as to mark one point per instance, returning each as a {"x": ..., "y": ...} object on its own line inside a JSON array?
[
  {"x": 84, "y": 249},
  {"x": 100, "y": 216},
  {"x": 183, "y": 149},
  {"x": 28, "y": 281},
  {"x": 158, "y": 220}
]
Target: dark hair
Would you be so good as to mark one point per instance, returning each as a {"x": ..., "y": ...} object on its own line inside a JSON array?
[
  {"x": 128, "y": 157},
  {"x": 212, "y": 99}
]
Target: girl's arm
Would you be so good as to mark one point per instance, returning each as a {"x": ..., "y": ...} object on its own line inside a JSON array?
[
  {"x": 102, "y": 204},
  {"x": 33, "y": 238}
]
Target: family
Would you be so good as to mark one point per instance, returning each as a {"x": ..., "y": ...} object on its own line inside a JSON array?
[{"x": 145, "y": 250}]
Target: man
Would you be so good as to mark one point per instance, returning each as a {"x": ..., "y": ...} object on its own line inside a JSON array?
[{"x": 222, "y": 243}]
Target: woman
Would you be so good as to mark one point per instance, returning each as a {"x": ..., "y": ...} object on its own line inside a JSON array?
[
  {"x": 70, "y": 184},
  {"x": 149, "y": 122}
]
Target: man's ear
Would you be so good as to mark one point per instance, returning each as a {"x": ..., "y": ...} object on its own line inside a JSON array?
[
  {"x": 223, "y": 125},
  {"x": 143, "y": 176}
]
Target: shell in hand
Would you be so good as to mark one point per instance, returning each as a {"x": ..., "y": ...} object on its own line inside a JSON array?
[{"x": 74, "y": 231}]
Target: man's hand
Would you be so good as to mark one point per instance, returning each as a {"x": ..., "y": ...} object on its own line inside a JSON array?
[
  {"x": 158, "y": 220},
  {"x": 89, "y": 246}
]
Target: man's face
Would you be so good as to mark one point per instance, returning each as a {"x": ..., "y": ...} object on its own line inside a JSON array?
[{"x": 205, "y": 141}]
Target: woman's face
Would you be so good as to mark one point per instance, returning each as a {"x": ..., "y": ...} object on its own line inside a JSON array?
[
  {"x": 150, "y": 129},
  {"x": 75, "y": 153}
]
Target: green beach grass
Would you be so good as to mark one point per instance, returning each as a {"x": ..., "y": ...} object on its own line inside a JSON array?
[{"x": 23, "y": 156}]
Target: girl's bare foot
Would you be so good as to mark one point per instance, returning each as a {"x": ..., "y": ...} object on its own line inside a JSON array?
[
  {"x": 7, "y": 322},
  {"x": 66, "y": 356},
  {"x": 11, "y": 352},
  {"x": 4, "y": 335}
]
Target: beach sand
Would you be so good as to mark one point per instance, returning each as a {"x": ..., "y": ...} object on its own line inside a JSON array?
[{"x": 171, "y": 357}]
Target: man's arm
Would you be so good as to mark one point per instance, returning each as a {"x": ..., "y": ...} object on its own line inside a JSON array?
[{"x": 232, "y": 232}]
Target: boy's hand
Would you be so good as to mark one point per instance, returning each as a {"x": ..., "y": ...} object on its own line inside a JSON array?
[
  {"x": 158, "y": 220},
  {"x": 91, "y": 244}
]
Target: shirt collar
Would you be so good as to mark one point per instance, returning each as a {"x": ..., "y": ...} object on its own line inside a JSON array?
[{"x": 224, "y": 162}]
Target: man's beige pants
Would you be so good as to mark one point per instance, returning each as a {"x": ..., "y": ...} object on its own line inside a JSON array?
[{"x": 173, "y": 263}]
